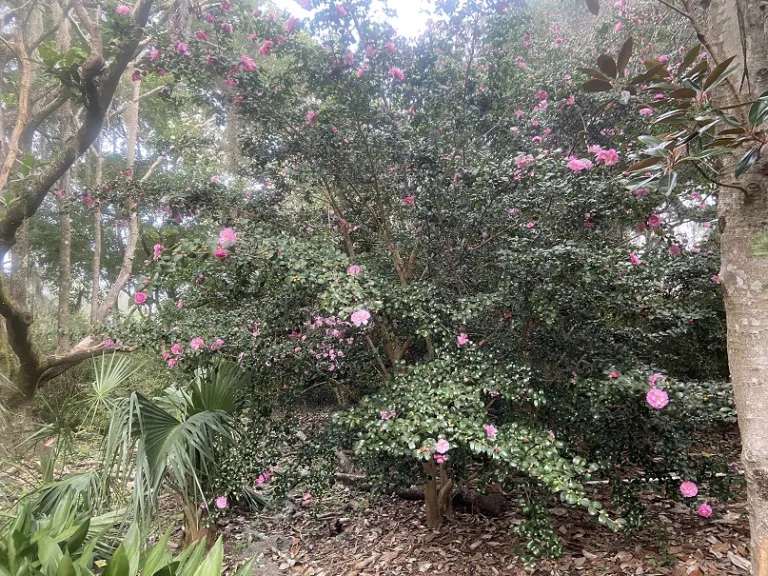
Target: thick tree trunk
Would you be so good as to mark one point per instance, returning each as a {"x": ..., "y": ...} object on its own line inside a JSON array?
[
  {"x": 738, "y": 28},
  {"x": 20, "y": 268}
]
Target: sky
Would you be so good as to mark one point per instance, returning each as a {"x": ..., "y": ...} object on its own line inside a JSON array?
[{"x": 411, "y": 18}]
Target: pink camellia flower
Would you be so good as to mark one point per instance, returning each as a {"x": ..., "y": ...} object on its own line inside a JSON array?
[
  {"x": 675, "y": 250},
  {"x": 311, "y": 117},
  {"x": 182, "y": 48},
  {"x": 202, "y": 36},
  {"x": 558, "y": 42},
  {"x": 579, "y": 164},
  {"x": 530, "y": 225},
  {"x": 226, "y": 27},
  {"x": 109, "y": 342},
  {"x": 221, "y": 502},
  {"x": 360, "y": 317},
  {"x": 391, "y": 48},
  {"x": 266, "y": 48},
  {"x": 634, "y": 259},
  {"x": 408, "y": 201},
  {"x": 307, "y": 497},
  {"x": 655, "y": 378},
  {"x": 290, "y": 25},
  {"x": 220, "y": 253},
  {"x": 180, "y": 304},
  {"x": 139, "y": 298},
  {"x": 715, "y": 279},
  {"x": 177, "y": 349},
  {"x": 341, "y": 10},
  {"x": 158, "y": 250},
  {"x": 705, "y": 510},
  {"x": 654, "y": 221},
  {"x": 462, "y": 339},
  {"x": 440, "y": 459},
  {"x": 490, "y": 430},
  {"x": 384, "y": 415},
  {"x": 608, "y": 157},
  {"x": 154, "y": 54},
  {"x": 395, "y": 72},
  {"x": 171, "y": 362},
  {"x": 247, "y": 63},
  {"x": 123, "y": 9},
  {"x": 613, "y": 374},
  {"x": 196, "y": 343},
  {"x": 442, "y": 446},
  {"x": 619, "y": 27},
  {"x": 227, "y": 237},
  {"x": 348, "y": 58},
  {"x": 217, "y": 344},
  {"x": 689, "y": 489},
  {"x": 536, "y": 139},
  {"x": 225, "y": 6},
  {"x": 594, "y": 148},
  {"x": 215, "y": 180},
  {"x": 657, "y": 398},
  {"x": 646, "y": 111},
  {"x": 353, "y": 270}
]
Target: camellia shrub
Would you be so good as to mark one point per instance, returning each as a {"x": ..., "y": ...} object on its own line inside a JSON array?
[{"x": 437, "y": 234}]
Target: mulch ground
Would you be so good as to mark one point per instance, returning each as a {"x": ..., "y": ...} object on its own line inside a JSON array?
[{"x": 352, "y": 535}]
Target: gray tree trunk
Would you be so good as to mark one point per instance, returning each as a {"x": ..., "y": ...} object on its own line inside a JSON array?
[{"x": 744, "y": 266}]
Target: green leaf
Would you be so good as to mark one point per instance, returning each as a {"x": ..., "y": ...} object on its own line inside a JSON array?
[
  {"x": 667, "y": 183},
  {"x": 66, "y": 568},
  {"x": 118, "y": 565},
  {"x": 758, "y": 112},
  {"x": 718, "y": 74},
  {"x": 747, "y": 161},
  {"x": 594, "y": 6},
  {"x": 593, "y": 74},
  {"x": 76, "y": 541},
  {"x": 689, "y": 57}
]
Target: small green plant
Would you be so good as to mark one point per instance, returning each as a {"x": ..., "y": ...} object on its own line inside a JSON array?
[{"x": 66, "y": 543}]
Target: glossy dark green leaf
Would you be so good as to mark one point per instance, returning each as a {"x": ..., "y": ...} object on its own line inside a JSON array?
[
  {"x": 758, "y": 112},
  {"x": 747, "y": 161},
  {"x": 682, "y": 93},
  {"x": 594, "y": 6},
  {"x": 717, "y": 74},
  {"x": 667, "y": 183},
  {"x": 690, "y": 57}
]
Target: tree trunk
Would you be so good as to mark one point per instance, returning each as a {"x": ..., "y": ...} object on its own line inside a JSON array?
[
  {"x": 20, "y": 268},
  {"x": 743, "y": 219},
  {"x": 434, "y": 518},
  {"x": 65, "y": 223},
  {"x": 96, "y": 266}
]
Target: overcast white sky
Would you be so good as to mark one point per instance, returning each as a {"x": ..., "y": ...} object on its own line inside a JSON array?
[{"x": 411, "y": 14}]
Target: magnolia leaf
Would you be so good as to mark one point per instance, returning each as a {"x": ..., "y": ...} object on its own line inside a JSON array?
[
  {"x": 689, "y": 57},
  {"x": 594, "y": 6},
  {"x": 607, "y": 65},
  {"x": 682, "y": 93},
  {"x": 758, "y": 112},
  {"x": 667, "y": 183},
  {"x": 624, "y": 54},
  {"x": 747, "y": 161},
  {"x": 718, "y": 73},
  {"x": 643, "y": 164},
  {"x": 596, "y": 85},
  {"x": 593, "y": 73}
]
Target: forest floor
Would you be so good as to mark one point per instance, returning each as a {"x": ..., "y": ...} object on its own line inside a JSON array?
[{"x": 351, "y": 533}]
